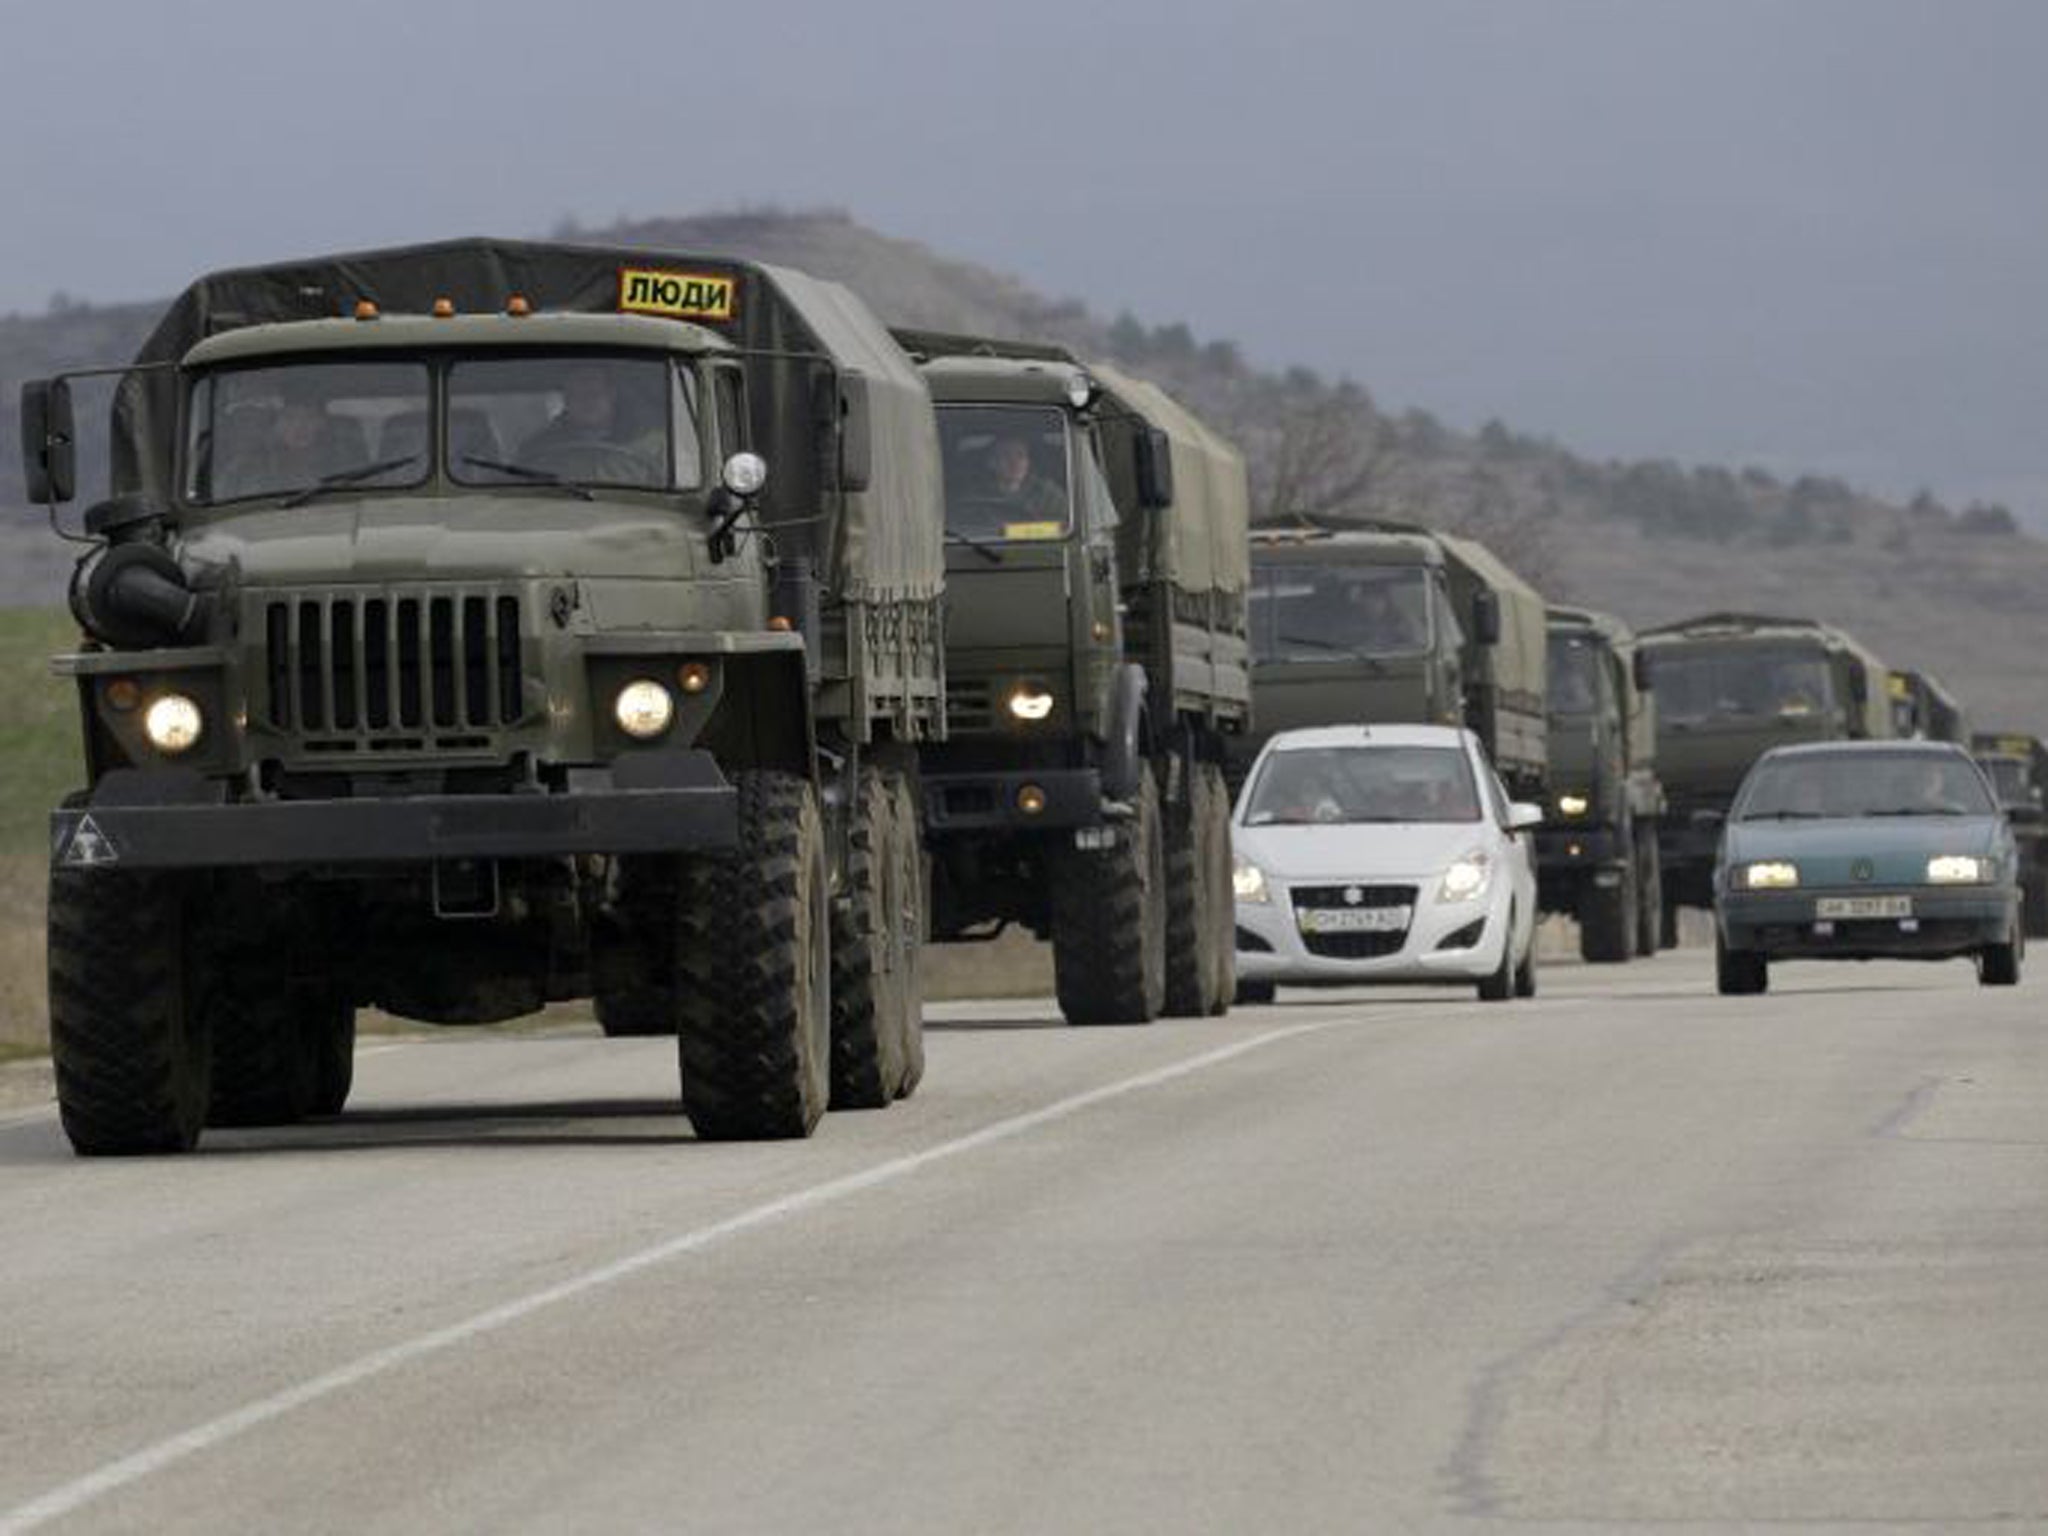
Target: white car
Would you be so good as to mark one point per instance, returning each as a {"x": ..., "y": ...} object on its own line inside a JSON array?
[{"x": 1382, "y": 853}]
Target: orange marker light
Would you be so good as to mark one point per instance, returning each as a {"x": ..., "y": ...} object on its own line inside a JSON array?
[
  {"x": 123, "y": 694},
  {"x": 443, "y": 308},
  {"x": 780, "y": 625},
  {"x": 517, "y": 305},
  {"x": 693, "y": 676},
  {"x": 1031, "y": 800},
  {"x": 366, "y": 309}
]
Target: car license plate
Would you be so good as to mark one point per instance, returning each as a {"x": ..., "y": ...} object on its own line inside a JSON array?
[
  {"x": 1354, "y": 919},
  {"x": 1831, "y": 908}
]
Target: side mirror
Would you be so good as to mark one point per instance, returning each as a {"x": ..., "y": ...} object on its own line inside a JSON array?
[
  {"x": 856, "y": 436},
  {"x": 744, "y": 474},
  {"x": 1155, "y": 468},
  {"x": 49, "y": 445},
  {"x": 1486, "y": 617},
  {"x": 1639, "y": 667},
  {"x": 1522, "y": 816}
]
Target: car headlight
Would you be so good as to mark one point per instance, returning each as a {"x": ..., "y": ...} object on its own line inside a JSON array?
[
  {"x": 1249, "y": 881},
  {"x": 173, "y": 724},
  {"x": 1958, "y": 869},
  {"x": 1573, "y": 805},
  {"x": 1030, "y": 701},
  {"x": 644, "y": 709},
  {"x": 1468, "y": 879},
  {"x": 1769, "y": 875}
]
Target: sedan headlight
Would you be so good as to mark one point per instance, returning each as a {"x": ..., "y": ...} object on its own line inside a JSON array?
[
  {"x": 1958, "y": 869},
  {"x": 1030, "y": 702},
  {"x": 1572, "y": 805},
  {"x": 1468, "y": 879},
  {"x": 1769, "y": 875},
  {"x": 1249, "y": 881},
  {"x": 644, "y": 709},
  {"x": 173, "y": 724}
]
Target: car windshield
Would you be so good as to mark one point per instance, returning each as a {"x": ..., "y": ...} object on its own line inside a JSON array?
[
  {"x": 1749, "y": 684},
  {"x": 1574, "y": 676},
  {"x": 1338, "y": 613},
  {"x": 1833, "y": 785},
  {"x": 280, "y": 430},
  {"x": 1338, "y": 785},
  {"x": 1006, "y": 473},
  {"x": 588, "y": 419}
]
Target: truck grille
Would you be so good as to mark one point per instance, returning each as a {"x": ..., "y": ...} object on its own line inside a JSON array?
[
  {"x": 970, "y": 704},
  {"x": 400, "y": 670}
]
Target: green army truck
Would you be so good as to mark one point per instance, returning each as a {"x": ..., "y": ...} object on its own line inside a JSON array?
[
  {"x": 485, "y": 624},
  {"x": 2017, "y": 765},
  {"x": 1386, "y": 624},
  {"x": 1924, "y": 710},
  {"x": 1730, "y": 686},
  {"x": 1096, "y": 667},
  {"x": 1597, "y": 855}
]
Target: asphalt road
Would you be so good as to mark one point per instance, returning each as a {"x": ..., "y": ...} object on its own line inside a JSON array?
[{"x": 1624, "y": 1255}]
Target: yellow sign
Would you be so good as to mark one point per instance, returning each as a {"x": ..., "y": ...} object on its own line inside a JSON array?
[
  {"x": 1027, "y": 531},
  {"x": 676, "y": 295},
  {"x": 1901, "y": 686}
]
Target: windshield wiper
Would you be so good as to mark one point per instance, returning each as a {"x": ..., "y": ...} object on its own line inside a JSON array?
[
  {"x": 528, "y": 472},
  {"x": 1920, "y": 810},
  {"x": 346, "y": 477},
  {"x": 1786, "y": 816},
  {"x": 986, "y": 550}
]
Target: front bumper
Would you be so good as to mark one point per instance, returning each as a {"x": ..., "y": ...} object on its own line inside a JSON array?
[
  {"x": 1419, "y": 954},
  {"x": 1945, "y": 922},
  {"x": 988, "y": 800},
  {"x": 658, "y": 802}
]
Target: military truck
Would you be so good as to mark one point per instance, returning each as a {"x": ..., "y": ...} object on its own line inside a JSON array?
[
  {"x": 1729, "y": 687},
  {"x": 484, "y": 624},
  {"x": 1924, "y": 710},
  {"x": 1096, "y": 666},
  {"x": 1384, "y": 623},
  {"x": 2018, "y": 768},
  {"x": 1597, "y": 853}
]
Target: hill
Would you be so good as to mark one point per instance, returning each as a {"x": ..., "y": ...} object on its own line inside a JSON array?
[{"x": 1950, "y": 590}]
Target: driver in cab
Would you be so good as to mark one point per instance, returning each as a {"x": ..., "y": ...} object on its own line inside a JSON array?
[{"x": 597, "y": 433}]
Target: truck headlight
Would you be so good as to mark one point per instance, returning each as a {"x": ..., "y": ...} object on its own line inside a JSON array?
[
  {"x": 1572, "y": 805},
  {"x": 1030, "y": 701},
  {"x": 1468, "y": 879},
  {"x": 1249, "y": 881},
  {"x": 1770, "y": 875},
  {"x": 173, "y": 724},
  {"x": 1957, "y": 869},
  {"x": 644, "y": 709}
]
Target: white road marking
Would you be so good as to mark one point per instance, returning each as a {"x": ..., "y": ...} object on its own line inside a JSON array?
[{"x": 69, "y": 1497}]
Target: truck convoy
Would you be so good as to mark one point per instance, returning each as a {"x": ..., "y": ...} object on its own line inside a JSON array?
[
  {"x": 1096, "y": 669},
  {"x": 2018, "y": 768},
  {"x": 1597, "y": 857},
  {"x": 483, "y": 624},
  {"x": 1384, "y": 623},
  {"x": 1729, "y": 687}
]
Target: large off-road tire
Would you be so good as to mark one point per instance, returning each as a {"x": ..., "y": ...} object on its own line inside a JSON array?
[
  {"x": 1109, "y": 922},
  {"x": 1739, "y": 972},
  {"x": 916, "y": 927},
  {"x": 131, "y": 1057},
  {"x": 753, "y": 970},
  {"x": 634, "y": 981},
  {"x": 1200, "y": 906},
  {"x": 329, "y": 1046},
  {"x": 874, "y": 1006},
  {"x": 2034, "y": 899},
  {"x": 1607, "y": 921},
  {"x": 1667, "y": 923},
  {"x": 1649, "y": 894}
]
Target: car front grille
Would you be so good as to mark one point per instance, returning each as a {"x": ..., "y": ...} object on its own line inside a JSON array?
[
  {"x": 1339, "y": 896},
  {"x": 1353, "y": 946}
]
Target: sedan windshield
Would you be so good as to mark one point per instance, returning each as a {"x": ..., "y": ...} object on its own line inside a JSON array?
[
  {"x": 278, "y": 431},
  {"x": 1834, "y": 785},
  {"x": 1337, "y": 785},
  {"x": 1338, "y": 613}
]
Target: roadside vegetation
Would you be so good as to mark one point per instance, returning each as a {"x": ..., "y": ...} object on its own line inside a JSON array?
[{"x": 39, "y": 763}]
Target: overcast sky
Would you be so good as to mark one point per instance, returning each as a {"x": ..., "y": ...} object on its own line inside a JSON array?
[{"x": 1805, "y": 233}]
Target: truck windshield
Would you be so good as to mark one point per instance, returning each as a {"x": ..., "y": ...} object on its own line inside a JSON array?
[
  {"x": 1831, "y": 785},
  {"x": 1695, "y": 687},
  {"x": 1335, "y": 785},
  {"x": 1573, "y": 680},
  {"x": 1339, "y": 613},
  {"x": 277, "y": 430},
  {"x": 2009, "y": 778},
  {"x": 587, "y": 418},
  {"x": 1006, "y": 473}
]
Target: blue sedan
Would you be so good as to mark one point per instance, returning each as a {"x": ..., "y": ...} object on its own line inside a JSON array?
[{"x": 1861, "y": 851}]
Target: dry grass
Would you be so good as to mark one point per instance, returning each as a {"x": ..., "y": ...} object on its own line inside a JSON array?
[{"x": 24, "y": 1015}]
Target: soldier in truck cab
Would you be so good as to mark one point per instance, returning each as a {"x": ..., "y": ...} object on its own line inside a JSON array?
[{"x": 1011, "y": 476}]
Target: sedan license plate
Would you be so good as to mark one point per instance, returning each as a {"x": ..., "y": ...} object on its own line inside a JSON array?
[
  {"x": 1353, "y": 919},
  {"x": 1834, "y": 908}
]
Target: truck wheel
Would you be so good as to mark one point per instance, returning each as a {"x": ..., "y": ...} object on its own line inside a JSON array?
[
  {"x": 1109, "y": 922},
  {"x": 1255, "y": 993},
  {"x": 870, "y": 1004},
  {"x": 1607, "y": 921},
  {"x": 130, "y": 1055},
  {"x": 915, "y": 887},
  {"x": 1667, "y": 935},
  {"x": 1223, "y": 895},
  {"x": 1739, "y": 972},
  {"x": 753, "y": 970},
  {"x": 1193, "y": 897},
  {"x": 1649, "y": 896},
  {"x": 2034, "y": 904},
  {"x": 328, "y": 1054},
  {"x": 633, "y": 991},
  {"x": 634, "y": 1012}
]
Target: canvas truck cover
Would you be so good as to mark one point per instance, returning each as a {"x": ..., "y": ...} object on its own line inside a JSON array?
[
  {"x": 1201, "y": 544},
  {"x": 880, "y": 544},
  {"x": 1517, "y": 667}
]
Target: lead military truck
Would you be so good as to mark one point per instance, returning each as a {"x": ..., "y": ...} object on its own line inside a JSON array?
[
  {"x": 1096, "y": 668},
  {"x": 1730, "y": 686},
  {"x": 1597, "y": 855},
  {"x": 2017, "y": 765},
  {"x": 484, "y": 624}
]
